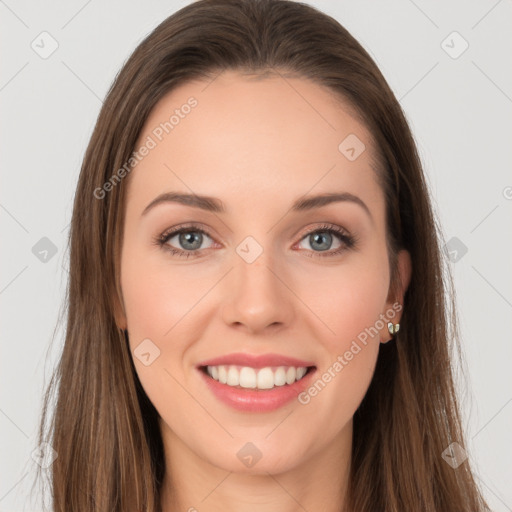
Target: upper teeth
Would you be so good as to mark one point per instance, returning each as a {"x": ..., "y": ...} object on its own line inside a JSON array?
[{"x": 263, "y": 378}]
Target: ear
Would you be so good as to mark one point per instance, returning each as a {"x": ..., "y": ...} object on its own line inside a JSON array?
[{"x": 397, "y": 293}]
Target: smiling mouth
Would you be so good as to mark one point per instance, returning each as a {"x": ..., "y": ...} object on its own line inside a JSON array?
[{"x": 256, "y": 379}]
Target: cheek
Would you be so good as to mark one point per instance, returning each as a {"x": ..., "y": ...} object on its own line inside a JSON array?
[
  {"x": 349, "y": 301},
  {"x": 157, "y": 296},
  {"x": 159, "y": 306}
]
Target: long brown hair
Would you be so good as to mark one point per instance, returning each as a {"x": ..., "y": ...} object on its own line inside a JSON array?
[{"x": 104, "y": 428}]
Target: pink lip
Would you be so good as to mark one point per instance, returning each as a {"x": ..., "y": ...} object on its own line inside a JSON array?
[
  {"x": 261, "y": 361},
  {"x": 257, "y": 400}
]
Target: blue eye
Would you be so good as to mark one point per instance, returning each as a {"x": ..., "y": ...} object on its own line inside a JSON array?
[
  {"x": 321, "y": 238},
  {"x": 189, "y": 241},
  {"x": 190, "y": 238}
]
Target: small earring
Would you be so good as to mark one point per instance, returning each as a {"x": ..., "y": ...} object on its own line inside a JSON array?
[{"x": 393, "y": 328}]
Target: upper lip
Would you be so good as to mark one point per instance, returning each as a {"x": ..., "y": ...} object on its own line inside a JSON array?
[{"x": 255, "y": 361}]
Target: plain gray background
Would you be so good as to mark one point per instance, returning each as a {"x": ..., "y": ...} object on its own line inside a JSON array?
[{"x": 459, "y": 107}]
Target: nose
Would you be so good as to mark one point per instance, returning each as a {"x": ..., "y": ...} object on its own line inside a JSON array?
[{"x": 257, "y": 297}]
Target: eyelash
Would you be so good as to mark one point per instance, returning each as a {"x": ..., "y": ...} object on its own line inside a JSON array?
[{"x": 348, "y": 241}]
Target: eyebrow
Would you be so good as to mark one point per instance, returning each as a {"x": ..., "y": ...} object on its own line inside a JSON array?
[{"x": 212, "y": 204}]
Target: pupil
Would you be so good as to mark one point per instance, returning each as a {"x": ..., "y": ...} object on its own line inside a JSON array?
[
  {"x": 321, "y": 237},
  {"x": 190, "y": 238}
]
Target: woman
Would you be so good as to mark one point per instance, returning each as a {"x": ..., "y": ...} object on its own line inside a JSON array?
[{"x": 257, "y": 316}]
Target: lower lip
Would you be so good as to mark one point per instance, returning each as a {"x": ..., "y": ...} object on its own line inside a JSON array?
[{"x": 254, "y": 400}]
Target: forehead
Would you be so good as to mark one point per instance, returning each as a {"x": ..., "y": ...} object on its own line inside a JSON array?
[{"x": 246, "y": 138}]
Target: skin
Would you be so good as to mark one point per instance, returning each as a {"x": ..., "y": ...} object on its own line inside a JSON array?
[{"x": 258, "y": 145}]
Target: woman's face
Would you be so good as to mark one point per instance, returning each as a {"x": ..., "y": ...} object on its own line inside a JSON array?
[{"x": 259, "y": 269}]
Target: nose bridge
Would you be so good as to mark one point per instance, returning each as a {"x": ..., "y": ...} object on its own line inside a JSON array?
[{"x": 256, "y": 295}]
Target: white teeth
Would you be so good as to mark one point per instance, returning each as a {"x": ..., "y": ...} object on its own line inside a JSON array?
[
  {"x": 291, "y": 373},
  {"x": 280, "y": 376},
  {"x": 301, "y": 371},
  {"x": 223, "y": 374},
  {"x": 253, "y": 378},
  {"x": 233, "y": 377},
  {"x": 265, "y": 378},
  {"x": 247, "y": 376}
]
